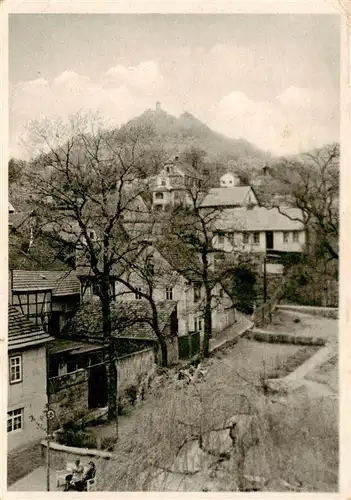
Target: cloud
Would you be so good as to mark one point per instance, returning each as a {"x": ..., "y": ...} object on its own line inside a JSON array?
[
  {"x": 215, "y": 84},
  {"x": 119, "y": 94},
  {"x": 144, "y": 76},
  {"x": 297, "y": 119}
]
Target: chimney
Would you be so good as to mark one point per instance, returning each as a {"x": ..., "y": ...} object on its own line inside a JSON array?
[{"x": 158, "y": 106}]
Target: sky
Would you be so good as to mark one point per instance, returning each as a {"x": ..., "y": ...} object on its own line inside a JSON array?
[{"x": 270, "y": 79}]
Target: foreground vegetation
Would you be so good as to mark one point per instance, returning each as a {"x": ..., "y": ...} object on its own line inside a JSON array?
[{"x": 290, "y": 444}]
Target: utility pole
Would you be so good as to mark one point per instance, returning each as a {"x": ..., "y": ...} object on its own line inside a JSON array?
[
  {"x": 265, "y": 279},
  {"x": 49, "y": 416}
]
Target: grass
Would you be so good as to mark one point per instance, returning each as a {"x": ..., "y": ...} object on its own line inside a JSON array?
[
  {"x": 282, "y": 369},
  {"x": 297, "y": 442}
]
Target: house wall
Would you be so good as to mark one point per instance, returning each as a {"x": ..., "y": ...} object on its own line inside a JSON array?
[
  {"x": 278, "y": 242},
  {"x": 229, "y": 180},
  {"x": 166, "y": 276},
  {"x": 29, "y": 394},
  {"x": 290, "y": 246}
]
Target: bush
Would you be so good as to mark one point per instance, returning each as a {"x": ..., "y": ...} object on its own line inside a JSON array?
[
  {"x": 108, "y": 443},
  {"x": 131, "y": 393},
  {"x": 80, "y": 439}
]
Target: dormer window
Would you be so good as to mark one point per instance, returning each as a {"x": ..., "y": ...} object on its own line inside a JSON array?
[{"x": 159, "y": 196}]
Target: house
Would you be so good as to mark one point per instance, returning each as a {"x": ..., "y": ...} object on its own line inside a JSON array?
[
  {"x": 230, "y": 197},
  {"x": 260, "y": 229},
  {"x": 229, "y": 180},
  {"x": 177, "y": 277},
  {"x": 27, "y": 395},
  {"x": 172, "y": 184},
  {"x": 48, "y": 298}
]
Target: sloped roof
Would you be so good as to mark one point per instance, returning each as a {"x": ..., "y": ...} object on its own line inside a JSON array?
[
  {"x": 186, "y": 168},
  {"x": 23, "y": 333},
  {"x": 60, "y": 346},
  {"x": 60, "y": 282},
  {"x": 10, "y": 207},
  {"x": 130, "y": 319},
  {"x": 226, "y": 196},
  {"x": 183, "y": 259},
  {"x": 260, "y": 219}
]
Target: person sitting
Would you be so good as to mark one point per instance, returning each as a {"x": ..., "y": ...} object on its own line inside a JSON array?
[
  {"x": 89, "y": 474},
  {"x": 74, "y": 479}
]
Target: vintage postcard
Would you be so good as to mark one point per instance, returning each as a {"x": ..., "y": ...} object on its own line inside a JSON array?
[{"x": 176, "y": 213}]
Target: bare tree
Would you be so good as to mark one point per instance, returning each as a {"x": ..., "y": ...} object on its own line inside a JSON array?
[
  {"x": 84, "y": 181},
  {"x": 147, "y": 277},
  {"x": 310, "y": 182},
  {"x": 193, "y": 228}
]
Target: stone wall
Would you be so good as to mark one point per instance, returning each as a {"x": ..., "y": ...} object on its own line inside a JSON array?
[
  {"x": 132, "y": 366},
  {"x": 68, "y": 394},
  {"x": 326, "y": 312}
]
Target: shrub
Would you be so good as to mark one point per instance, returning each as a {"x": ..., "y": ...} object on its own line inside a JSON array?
[
  {"x": 108, "y": 443},
  {"x": 80, "y": 439},
  {"x": 131, "y": 393}
]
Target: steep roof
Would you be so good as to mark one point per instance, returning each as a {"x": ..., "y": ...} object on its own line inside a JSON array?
[
  {"x": 181, "y": 258},
  {"x": 260, "y": 219},
  {"x": 23, "y": 333},
  {"x": 130, "y": 319},
  {"x": 60, "y": 282},
  {"x": 226, "y": 196},
  {"x": 186, "y": 168}
]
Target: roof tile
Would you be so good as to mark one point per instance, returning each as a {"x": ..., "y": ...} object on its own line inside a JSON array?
[
  {"x": 22, "y": 332},
  {"x": 60, "y": 282},
  {"x": 130, "y": 319}
]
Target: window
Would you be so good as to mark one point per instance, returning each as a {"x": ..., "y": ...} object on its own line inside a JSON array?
[
  {"x": 220, "y": 238},
  {"x": 71, "y": 366},
  {"x": 169, "y": 293},
  {"x": 137, "y": 293},
  {"x": 15, "y": 420},
  {"x": 159, "y": 196},
  {"x": 158, "y": 208},
  {"x": 295, "y": 236},
  {"x": 163, "y": 183},
  {"x": 286, "y": 236},
  {"x": 197, "y": 292},
  {"x": 246, "y": 238},
  {"x": 15, "y": 369},
  {"x": 92, "y": 235},
  {"x": 230, "y": 237},
  {"x": 256, "y": 238},
  {"x": 221, "y": 294},
  {"x": 96, "y": 288},
  {"x": 197, "y": 325}
]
